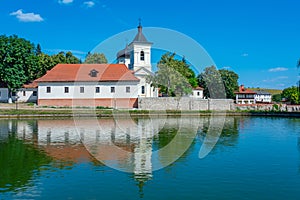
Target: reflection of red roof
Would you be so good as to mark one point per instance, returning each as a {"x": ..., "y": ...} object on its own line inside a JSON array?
[
  {"x": 88, "y": 72},
  {"x": 31, "y": 85},
  {"x": 243, "y": 90}
]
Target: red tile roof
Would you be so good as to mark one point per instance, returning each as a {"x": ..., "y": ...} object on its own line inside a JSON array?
[
  {"x": 31, "y": 85},
  {"x": 243, "y": 90},
  {"x": 198, "y": 88},
  {"x": 82, "y": 72}
]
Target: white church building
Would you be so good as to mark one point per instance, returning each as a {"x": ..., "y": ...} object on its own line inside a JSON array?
[{"x": 108, "y": 85}]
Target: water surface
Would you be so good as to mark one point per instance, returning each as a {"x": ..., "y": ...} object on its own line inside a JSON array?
[{"x": 254, "y": 158}]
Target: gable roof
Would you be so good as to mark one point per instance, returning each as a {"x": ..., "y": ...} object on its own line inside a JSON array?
[
  {"x": 243, "y": 90},
  {"x": 83, "y": 72},
  {"x": 143, "y": 69}
]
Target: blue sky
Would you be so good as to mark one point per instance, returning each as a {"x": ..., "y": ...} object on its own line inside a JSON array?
[{"x": 258, "y": 39}]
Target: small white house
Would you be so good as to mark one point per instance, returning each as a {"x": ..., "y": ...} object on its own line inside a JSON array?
[
  {"x": 197, "y": 92},
  {"x": 28, "y": 93},
  {"x": 263, "y": 97}
]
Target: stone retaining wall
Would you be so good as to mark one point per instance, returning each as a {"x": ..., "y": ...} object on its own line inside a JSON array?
[{"x": 184, "y": 103}]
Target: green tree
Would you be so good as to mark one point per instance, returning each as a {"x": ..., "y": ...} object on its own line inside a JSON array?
[
  {"x": 211, "y": 81},
  {"x": 95, "y": 58},
  {"x": 230, "y": 81},
  {"x": 38, "y": 49},
  {"x": 65, "y": 58},
  {"x": 46, "y": 63},
  {"x": 291, "y": 94},
  {"x": 276, "y": 97},
  {"x": 18, "y": 61},
  {"x": 174, "y": 77}
]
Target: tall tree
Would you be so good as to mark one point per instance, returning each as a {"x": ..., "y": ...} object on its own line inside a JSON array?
[
  {"x": 291, "y": 94},
  {"x": 173, "y": 77},
  {"x": 18, "y": 61},
  {"x": 211, "y": 81},
  {"x": 38, "y": 49},
  {"x": 95, "y": 58},
  {"x": 230, "y": 81}
]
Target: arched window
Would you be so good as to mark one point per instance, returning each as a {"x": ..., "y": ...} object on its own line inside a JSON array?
[{"x": 142, "y": 55}]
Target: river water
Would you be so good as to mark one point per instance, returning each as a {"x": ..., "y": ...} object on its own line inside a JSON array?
[{"x": 150, "y": 158}]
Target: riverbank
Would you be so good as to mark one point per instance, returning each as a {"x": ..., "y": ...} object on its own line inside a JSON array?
[{"x": 69, "y": 113}]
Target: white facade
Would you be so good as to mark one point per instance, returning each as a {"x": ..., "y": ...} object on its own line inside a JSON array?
[
  {"x": 27, "y": 95},
  {"x": 87, "y": 90},
  {"x": 137, "y": 57},
  {"x": 22, "y": 95},
  {"x": 263, "y": 98},
  {"x": 197, "y": 93}
]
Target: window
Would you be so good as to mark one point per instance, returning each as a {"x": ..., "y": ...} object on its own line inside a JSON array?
[
  {"x": 93, "y": 73},
  {"x": 127, "y": 89},
  {"x": 66, "y": 89},
  {"x": 24, "y": 93},
  {"x": 48, "y": 89},
  {"x": 143, "y": 89},
  {"x": 198, "y": 93},
  {"x": 81, "y": 89},
  {"x": 13, "y": 94},
  {"x": 142, "y": 55},
  {"x": 112, "y": 89},
  {"x": 97, "y": 90},
  {"x": 0, "y": 93},
  {"x": 34, "y": 93}
]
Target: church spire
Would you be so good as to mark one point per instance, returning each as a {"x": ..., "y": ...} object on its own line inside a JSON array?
[{"x": 140, "y": 25}]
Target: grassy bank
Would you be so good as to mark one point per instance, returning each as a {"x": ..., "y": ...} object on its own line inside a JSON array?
[{"x": 29, "y": 113}]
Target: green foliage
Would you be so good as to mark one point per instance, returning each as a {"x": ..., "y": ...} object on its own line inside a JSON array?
[
  {"x": 19, "y": 162},
  {"x": 18, "y": 61},
  {"x": 212, "y": 82},
  {"x": 95, "y": 58},
  {"x": 66, "y": 58},
  {"x": 291, "y": 94},
  {"x": 174, "y": 77},
  {"x": 230, "y": 80},
  {"x": 276, "y": 98}
]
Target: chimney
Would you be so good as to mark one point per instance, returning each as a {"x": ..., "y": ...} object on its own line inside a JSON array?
[{"x": 242, "y": 88}]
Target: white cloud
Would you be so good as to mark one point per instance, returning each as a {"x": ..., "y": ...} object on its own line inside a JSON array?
[
  {"x": 89, "y": 4},
  {"x": 278, "y": 69},
  {"x": 66, "y": 50},
  {"x": 27, "y": 17},
  {"x": 245, "y": 55},
  {"x": 65, "y": 1},
  {"x": 279, "y": 78}
]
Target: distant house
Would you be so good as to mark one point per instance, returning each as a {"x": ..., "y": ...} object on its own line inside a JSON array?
[
  {"x": 28, "y": 93},
  {"x": 197, "y": 92},
  {"x": 263, "y": 97},
  {"x": 107, "y": 85},
  {"x": 244, "y": 96}
]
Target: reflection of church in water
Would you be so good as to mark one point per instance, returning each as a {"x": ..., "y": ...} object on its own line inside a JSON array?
[{"x": 122, "y": 144}]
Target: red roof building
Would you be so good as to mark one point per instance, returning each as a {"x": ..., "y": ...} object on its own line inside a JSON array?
[
  {"x": 244, "y": 96},
  {"x": 106, "y": 85}
]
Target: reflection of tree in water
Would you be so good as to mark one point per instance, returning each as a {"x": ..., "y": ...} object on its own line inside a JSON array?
[
  {"x": 19, "y": 162},
  {"x": 298, "y": 145},
  {"x": 228, "y": 137}
]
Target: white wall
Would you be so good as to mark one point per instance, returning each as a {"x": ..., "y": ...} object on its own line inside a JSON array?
[
  {"x": 263, "y": 98},
  {"x": 58, "y": 90},
  {"x": 3, "y": 95},
  {"x": 26, "y": 95},
  {"x": 195, "y": 94}
]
